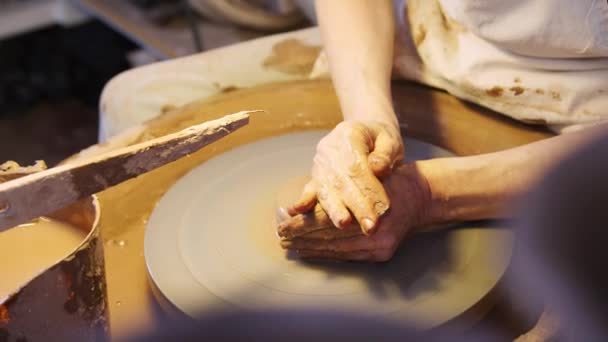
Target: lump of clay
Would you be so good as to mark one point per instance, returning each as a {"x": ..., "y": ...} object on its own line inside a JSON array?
[{"x": 11, "y": 170}]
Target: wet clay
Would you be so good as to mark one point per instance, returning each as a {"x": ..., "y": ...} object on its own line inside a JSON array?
[
  {"x": 292, "y": 56},
  {"x": 37, "y": 246},
  {"x": 431, "y": 115}
]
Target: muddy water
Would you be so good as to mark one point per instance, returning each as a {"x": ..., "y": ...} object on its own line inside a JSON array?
[{"x": 37, "y": 246}]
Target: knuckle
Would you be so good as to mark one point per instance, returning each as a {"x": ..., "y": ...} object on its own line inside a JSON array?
[
  {"x": 380, "y": 207},
  {"x": 322, "y": 194},
  {"x": 310, "y": 188},
  {"x": 386, "y": 240},
  {"x": 357, "y": 168},
  {"x": 337, "y": 183}
]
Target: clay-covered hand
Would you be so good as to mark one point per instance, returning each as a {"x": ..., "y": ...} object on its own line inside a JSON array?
[
  {"x": 410, "y": 196},
  {"x": 346, "y": 171}
]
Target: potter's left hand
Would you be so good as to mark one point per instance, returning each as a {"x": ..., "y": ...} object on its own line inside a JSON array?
[
  {"x": 345, "y": 173},
  {"x": 410, "y": 196}
]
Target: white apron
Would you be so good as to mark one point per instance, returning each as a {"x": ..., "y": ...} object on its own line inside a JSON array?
[{"x": 538, "y": 61}]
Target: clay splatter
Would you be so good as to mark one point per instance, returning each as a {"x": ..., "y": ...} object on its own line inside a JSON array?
[
  {"x": 228, "y": 89},
  {"x": 517, "y": 90},
  {"x": 291, "y": 56},
  {"x": 419, "y": 35},
  {"x": 495, "y": 91}
]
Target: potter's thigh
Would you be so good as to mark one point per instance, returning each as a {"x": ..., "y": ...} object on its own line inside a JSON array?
[{"x": 141, "y": 94}]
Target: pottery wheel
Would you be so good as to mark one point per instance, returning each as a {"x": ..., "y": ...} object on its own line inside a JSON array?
[{"x": 211, "y": 242}]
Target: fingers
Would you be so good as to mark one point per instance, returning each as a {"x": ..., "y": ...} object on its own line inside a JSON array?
[
  {"x": 281, "y": 214},
  {"x": 334, "y": 207},
  {"x": 365, "y": 197},
  {"x": 303, "y": 224},
  {"x": 375, "y": 256},
  {"x": 379, "y": 247},
  {"x": 345, "y": 176},
  {"x": 332, "y": 233},
  {"x": 329, "y": 200},
  {"x": 364, "y": 194},
  {"x": 325, "y": 255},
  {"x": 385, "y": 154},
  {"x": 307, "y": 200},
  {"x": 338, "y": 245}
]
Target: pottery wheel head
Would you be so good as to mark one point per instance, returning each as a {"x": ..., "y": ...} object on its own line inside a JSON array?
[{"x": 225, "y": 252}]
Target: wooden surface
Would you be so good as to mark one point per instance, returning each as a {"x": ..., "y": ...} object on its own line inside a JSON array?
[
  {"x": 431, "y": 115},
  {"x": 40, "y": 193}
]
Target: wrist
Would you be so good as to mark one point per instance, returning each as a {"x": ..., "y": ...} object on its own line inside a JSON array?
[
  {"x": 414, "y": 193},
  {"x": 371, "y": 106},
  {"x": 462, "y": 189}
]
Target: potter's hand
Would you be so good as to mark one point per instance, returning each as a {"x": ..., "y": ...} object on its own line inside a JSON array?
[
  {"x": 410, "y": 196},
  {"x": 345, "y": 173}
]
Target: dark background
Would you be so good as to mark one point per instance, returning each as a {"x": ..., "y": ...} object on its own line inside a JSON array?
[{"x": 50, "y": 82}]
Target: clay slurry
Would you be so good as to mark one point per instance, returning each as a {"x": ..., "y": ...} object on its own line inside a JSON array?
[{"x": 29, "y": 249}]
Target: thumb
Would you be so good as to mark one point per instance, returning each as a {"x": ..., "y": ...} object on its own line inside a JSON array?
[{"x": 386, "y": 152}]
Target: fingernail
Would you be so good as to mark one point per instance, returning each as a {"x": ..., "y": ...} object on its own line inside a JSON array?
[
  {"x": 282, "y": 214},
  {"x": 367, "y": 224},
  {"x": 343, "y": 223}
]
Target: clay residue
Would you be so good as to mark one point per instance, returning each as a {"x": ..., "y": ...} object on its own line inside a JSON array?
[
  {"x": 419, "y": 35},
  {"x": 11, "y": 170},
  {"x": 517, "y": 90},
  {"x": 228, "y": 89},
  {"x": 428, "y": 19},
  {"x": 555, "y": 95},
  {"x": 167, "y": 108},
  {"x": 293, "y": 57},
  {"x": 29, "y": 243},
  {"x": 495, "y": 91},
  {"x": 444, "y": 20},
  {"x": 224, "y": 88}
]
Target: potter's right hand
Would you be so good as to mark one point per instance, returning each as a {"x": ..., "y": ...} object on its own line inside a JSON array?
[{"x": 345, "y": 173}]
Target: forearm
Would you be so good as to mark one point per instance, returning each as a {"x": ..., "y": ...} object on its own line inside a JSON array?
[
  {"x": 480, "y": 187},
  {"x": 358, "y": 38}
]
